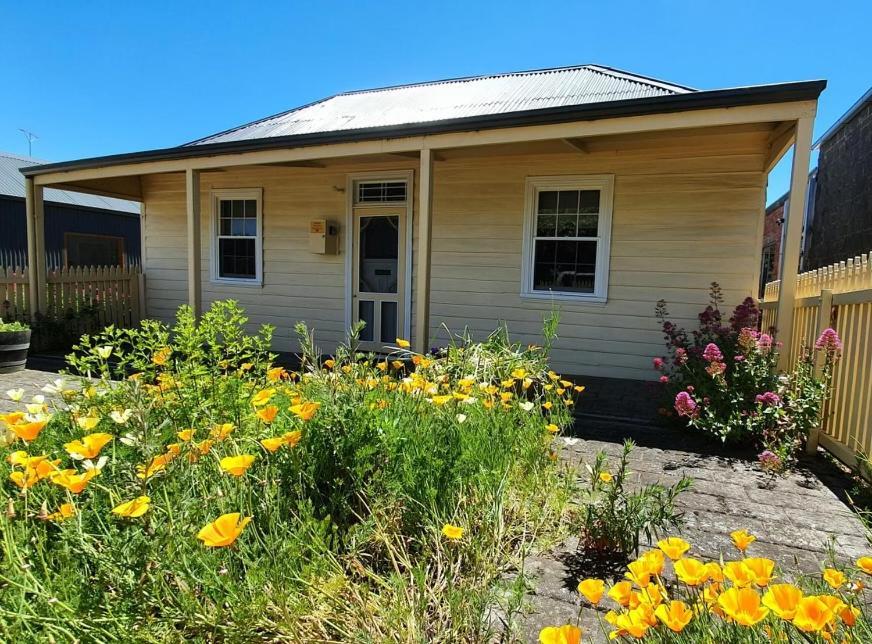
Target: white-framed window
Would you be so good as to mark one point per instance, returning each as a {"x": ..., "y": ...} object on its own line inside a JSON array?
[
  {"x": 237, "y": 236},
  {"x": 567, "y": 230}
]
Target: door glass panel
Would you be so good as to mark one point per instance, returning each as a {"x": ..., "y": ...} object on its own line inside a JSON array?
[
  {"x": 379, "y": 254},
  {"x": 366, "y": 313},
  {"x": 389, "y": 322}
]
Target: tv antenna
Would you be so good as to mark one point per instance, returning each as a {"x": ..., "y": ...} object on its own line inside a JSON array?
[{"x": 31, "y": 137}]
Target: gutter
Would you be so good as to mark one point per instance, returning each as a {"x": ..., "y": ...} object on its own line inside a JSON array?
[{"x": 722, "y": 98}]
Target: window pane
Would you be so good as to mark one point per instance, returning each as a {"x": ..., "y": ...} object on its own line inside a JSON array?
[
  {"x": 250, "y": 209},
  {"x": 379, "y": 254},
  {"x": 567, "y": 266},
  {"x": 236, "y": 258},
  {"x": 588, "y": 225},
  {"x": 548, "y": 202},
  {"x": 366, "y": 313},
  {"x": 237, "y": 208},
  {"x": 566, "y": 225},
  {"x": 590, "y": 201},
  {"x": 389, "y": 321},
  {"x": 226, "y": 224},
  {"x": 249, "y": 227},
  {"x": 225, "y": 208},
  {"x": 381, "y": 191},
  {"x": 546, "y": 225},
  {"x": 568, "y": 202}
]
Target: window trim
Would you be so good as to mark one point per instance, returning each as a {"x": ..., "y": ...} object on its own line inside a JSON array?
[
  {"x": 605, "y": 183},
  {"x": 228, "y": 194}
]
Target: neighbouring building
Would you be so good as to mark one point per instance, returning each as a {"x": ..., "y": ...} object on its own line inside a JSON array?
[
  {"x": 841, "y": 222},
  {"x": 80, "y": 229},
  {"x": 468, "y": 203}
]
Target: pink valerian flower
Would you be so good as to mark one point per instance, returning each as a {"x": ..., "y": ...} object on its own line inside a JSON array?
[
  {"x": 748, "y": 338},
  {"x": 664, "y": 379},
  {"x": 685, "y": 405},
  {"x": 680, "y": 355},
  {"x": 658, "y": 363},
  {"x": 712, "y": 353},
  {"x": 768, "y": 398},
  {"x": 716, "y": 368},
  {"x": 764, "y": 341},
  {"x": 769, "y": 460},
  {"x": 738, "y": 357},
  {"x": 829, "y": 341}
]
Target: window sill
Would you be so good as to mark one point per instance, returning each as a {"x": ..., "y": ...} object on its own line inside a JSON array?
[
  {"x": 566, "y": 297},
  {"x": 227, "y": 281}
]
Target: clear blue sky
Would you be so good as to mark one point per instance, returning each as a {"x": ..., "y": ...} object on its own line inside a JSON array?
[{"x": 94, "y": 78}]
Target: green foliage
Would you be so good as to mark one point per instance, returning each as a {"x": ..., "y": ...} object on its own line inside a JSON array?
[
  {"x": 345, "y": 540},
  {"x": 614, "y": 516},
  {"x": 12, "y": 326}
]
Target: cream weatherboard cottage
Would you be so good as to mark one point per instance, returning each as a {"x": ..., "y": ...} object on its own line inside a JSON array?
[{"x": 469, "y": 202}]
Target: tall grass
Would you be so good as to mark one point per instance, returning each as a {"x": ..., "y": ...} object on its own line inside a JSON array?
[{"x": 345, "y": 540}]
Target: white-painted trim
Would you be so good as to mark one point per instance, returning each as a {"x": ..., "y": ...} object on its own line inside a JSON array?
[
  {"x": 605, "y": 183},
  {"x": 236, "y": 193},
  {"x": 350, "y": 180}
]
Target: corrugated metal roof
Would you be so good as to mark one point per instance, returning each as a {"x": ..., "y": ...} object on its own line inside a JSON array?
[
  {"x": 454, "y": 98},
  {"x": 12, "y": 185}
]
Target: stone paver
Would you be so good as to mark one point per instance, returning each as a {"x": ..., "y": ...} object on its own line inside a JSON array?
[
  {"x": 32, "y": 381},
  {"x": 797, "y": 518}
]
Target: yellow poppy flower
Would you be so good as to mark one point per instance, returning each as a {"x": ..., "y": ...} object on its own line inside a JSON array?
[
  {"x": 738, "y": 573},
  {"x": 329, "y": 363},
  {"x": 223, "y": 531},
  {"x": 605, "y": 477},
  {"x": 275, "y": 374},
  {"x": 135, "y": 508},
  {"x": 673, "y": 547},
  {"x": 272, "y": 444},
  {"x": 865, "y": 564},
  {"x": 834, "y": 578},
  {"x": 452, "y": 532},
  {"x": 849, "y": 615},
  {"x": 72, "y": 480},
  {"x": 632, "y": 623},
  {"x": 157, "y": 464},
  {"x": 812, "y": 614},
  {"x": 185, "y": 435},
  {"x": 89, "y": 446},
  {"x": 782, "y": 600},
  {"x": 519, "y": 373},
  {"x": 236, "y": 465},
  {"x": 552, "y": 428},
  {"x": 161, "y": 356},
  {"x": 28, "y": 431},
  {"x": 715, "y": 573},
  {"x": 676, "y": 615},
  {"x": 639, "y": 572},
  {"x": 12, "y": 418},
  {"x": 567, "y": 634},
  {"x": 403, "y": 344},
  {"x": 104, "y": 352},
  {"x": 691, "y": 571},
  {"x": 87, "y": 423},
  {"x": 26, "y": 479},
  {"x": 262, "y": 397},
  {"x": 441, "y": 400},
  {"x": 743, "y": 606},
  {"x": 761, "y": 569},
  {"x": 621, "y": 592},
  {"x": 220, "y": 432},
  {"x": 305, "y": 411},
  {"x": 547, "y": 405},
  {"x": 65, "y": 511},
  {"x": 292, "y": 438},
  {"x": 268, "y": 413},
  {"x": 592, "y": 589},
  {"x": 742, "y": 539},
  {"x": 655, "y": 560}
]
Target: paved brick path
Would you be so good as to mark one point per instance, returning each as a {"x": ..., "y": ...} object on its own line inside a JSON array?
[{"x": 795, "y": 517}]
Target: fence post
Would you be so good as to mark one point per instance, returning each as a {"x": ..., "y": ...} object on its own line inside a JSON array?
[{"x": 823, "y": 321}]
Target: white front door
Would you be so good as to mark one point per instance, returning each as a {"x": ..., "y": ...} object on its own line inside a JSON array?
[{"x": 379, "y": 274}]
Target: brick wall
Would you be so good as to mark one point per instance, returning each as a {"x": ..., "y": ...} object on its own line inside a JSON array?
[{"x": 771, "y": 259}]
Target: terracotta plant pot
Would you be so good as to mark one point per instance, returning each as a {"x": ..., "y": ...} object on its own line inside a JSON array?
[{"x": 13, "y": 350}]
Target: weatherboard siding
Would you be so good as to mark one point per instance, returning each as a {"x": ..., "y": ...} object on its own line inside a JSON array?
[{"x": 688, "y": 210}]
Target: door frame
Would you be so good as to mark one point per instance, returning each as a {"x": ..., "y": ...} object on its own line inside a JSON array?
[{"x": 387, "y": 175}]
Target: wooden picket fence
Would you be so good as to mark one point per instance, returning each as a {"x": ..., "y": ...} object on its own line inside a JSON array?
[
  {"x": 85, "y": 298},
  {"x": 840, "y": 296}
]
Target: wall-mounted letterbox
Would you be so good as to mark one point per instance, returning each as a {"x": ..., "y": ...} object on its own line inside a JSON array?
[{"x": 323, "y": 237}]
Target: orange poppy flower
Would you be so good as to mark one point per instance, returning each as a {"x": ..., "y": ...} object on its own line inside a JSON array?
[{"x": 223, "y": 531}]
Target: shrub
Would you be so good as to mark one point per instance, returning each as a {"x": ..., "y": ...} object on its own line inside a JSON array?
[
  {"x": 668, "y": 596},
  {"x": 12, "y": 326},
  {"x": 191, "y": 489},
  {"x": 613, "y": 517},
  {"x": 722, "y": 379}
]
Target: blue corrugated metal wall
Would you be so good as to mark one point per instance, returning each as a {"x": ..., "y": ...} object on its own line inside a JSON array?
[{"x": 60, "y": 219}]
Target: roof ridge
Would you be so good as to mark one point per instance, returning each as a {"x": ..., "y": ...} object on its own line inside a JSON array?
[
  {"x": 21, "y": 157},
  {"x": 651, "y": 80}
]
